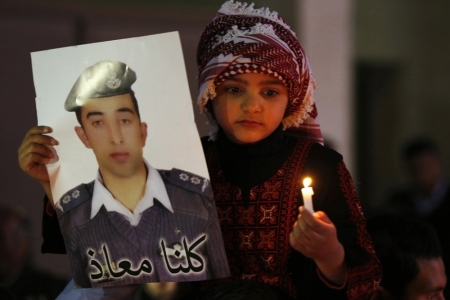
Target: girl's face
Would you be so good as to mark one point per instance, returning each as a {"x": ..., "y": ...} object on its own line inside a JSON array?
[{"x": 249, "y": 107}]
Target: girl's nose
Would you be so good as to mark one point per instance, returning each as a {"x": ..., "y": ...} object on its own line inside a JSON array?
[{"x": 251, "y": 103}]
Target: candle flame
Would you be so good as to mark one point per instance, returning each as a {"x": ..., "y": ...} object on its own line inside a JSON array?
[{"x": 307, "y": 181}]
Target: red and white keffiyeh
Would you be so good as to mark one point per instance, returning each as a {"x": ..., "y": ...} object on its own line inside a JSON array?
[{"x": 241, "y": 39}]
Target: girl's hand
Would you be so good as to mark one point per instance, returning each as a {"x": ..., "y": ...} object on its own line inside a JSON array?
[{"x": 314, "y": 235}]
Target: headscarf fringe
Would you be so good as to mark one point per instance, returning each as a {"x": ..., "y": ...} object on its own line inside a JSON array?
[
  {"x": 237, "y": 8},
  {"x": 208, "y": 93},
  {"x": 299, "y": 117}
]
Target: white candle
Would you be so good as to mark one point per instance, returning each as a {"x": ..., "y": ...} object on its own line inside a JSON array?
[{"x": 307, "y": 193}]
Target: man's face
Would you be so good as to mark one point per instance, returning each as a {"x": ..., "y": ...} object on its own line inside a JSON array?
[
  {"x": 112, "y": 129},
  {"x": 429, "y": 283},
  {"x": 426, "y": 170}
]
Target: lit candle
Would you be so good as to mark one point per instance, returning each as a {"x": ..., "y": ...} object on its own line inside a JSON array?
[{"x": 307, "y": 193}]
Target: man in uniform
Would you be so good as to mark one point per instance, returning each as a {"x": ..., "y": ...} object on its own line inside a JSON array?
[{"x": 133, "y": 223}]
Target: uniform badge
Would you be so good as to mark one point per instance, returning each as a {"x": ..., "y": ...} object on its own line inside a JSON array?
[
  {"x": 184, "y": 177},
  {"x": 76, "y": 194},
  {"x": 113, "y": 82},
  {"x": 66, "y": 199},
  {"x": 195, "y": 180}
]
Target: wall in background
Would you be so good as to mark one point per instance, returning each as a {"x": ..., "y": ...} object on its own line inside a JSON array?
[{"x": 408, "y": 40}]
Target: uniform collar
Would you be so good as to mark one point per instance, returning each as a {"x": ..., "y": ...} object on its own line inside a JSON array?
[{"x": 154, "y": 189}]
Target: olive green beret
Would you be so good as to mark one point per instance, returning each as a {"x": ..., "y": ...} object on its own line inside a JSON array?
[{"x": 104, "y": 79}]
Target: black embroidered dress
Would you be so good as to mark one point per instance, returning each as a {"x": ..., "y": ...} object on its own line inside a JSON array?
[{"x": 260, "y": 184}]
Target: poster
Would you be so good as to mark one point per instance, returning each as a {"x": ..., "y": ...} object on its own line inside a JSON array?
[{"x": 130, "y": 183}]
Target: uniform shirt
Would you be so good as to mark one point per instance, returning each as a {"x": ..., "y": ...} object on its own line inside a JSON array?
[
  {"x": 154, "y": 188},
  {"x": 178, "y": 240}
]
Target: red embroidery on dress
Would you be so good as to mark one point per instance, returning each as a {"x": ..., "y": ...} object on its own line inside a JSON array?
[
  {"x": 268, "y": 214},
  {"x": 360, "y": 280},
  {"x": 272, "y": 190},
  {"x": 252, "y": 194},
  {"x": 222, "y": 191},
  {"x": 238, "y": 194},
  {"x": 268, "y": 262},
  {"x": 270, "y": 279},
  {"x": 247, "y": 215},
  {"x": 247, "y": 239},
  {"x": 267, "y": 239},
  {"x": 280, "y": 173},
  {"x": 224, "y": 215},
  {"x": 257, "y": 238}
]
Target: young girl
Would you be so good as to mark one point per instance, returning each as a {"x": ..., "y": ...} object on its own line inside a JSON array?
[{"x": 256, "y": 85}]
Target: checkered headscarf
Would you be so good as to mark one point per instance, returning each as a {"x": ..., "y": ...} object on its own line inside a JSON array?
[{"x": 241, "y": 39}]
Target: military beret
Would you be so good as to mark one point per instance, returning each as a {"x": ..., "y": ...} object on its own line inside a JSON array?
[{"x": 104, "y": 79}]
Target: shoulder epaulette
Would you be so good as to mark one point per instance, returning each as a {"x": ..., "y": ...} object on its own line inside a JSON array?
[
  {"x": 189, "y": 181},
  {"x": 74, "y": 197}
]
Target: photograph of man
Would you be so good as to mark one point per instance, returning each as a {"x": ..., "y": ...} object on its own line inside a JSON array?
[{"x": 133, "y": 223}]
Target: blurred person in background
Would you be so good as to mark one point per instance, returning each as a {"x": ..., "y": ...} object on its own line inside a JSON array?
[
  {"x": 427, "y": 196},
  {"x": 411, "y": 257},
  {"x": 19, "y": 279},
  {"x": 428, "y": 188}
]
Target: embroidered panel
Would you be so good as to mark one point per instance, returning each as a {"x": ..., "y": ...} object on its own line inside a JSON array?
[
  {"x": 257, "y": 237},
  {"x": 361, "y": 279}
]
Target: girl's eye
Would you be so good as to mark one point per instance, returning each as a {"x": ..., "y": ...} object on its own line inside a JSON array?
[
  {"x": 232, "y": 89},
  {"x": 270, "y": 93}
]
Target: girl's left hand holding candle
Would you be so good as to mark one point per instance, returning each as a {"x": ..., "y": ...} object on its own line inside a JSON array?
[{"x": 314, "y": 235}]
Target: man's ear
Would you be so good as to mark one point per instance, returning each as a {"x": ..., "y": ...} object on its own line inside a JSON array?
[
  {"x": 143, "y": 133},
  {"x": 82, "y": 136}
]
